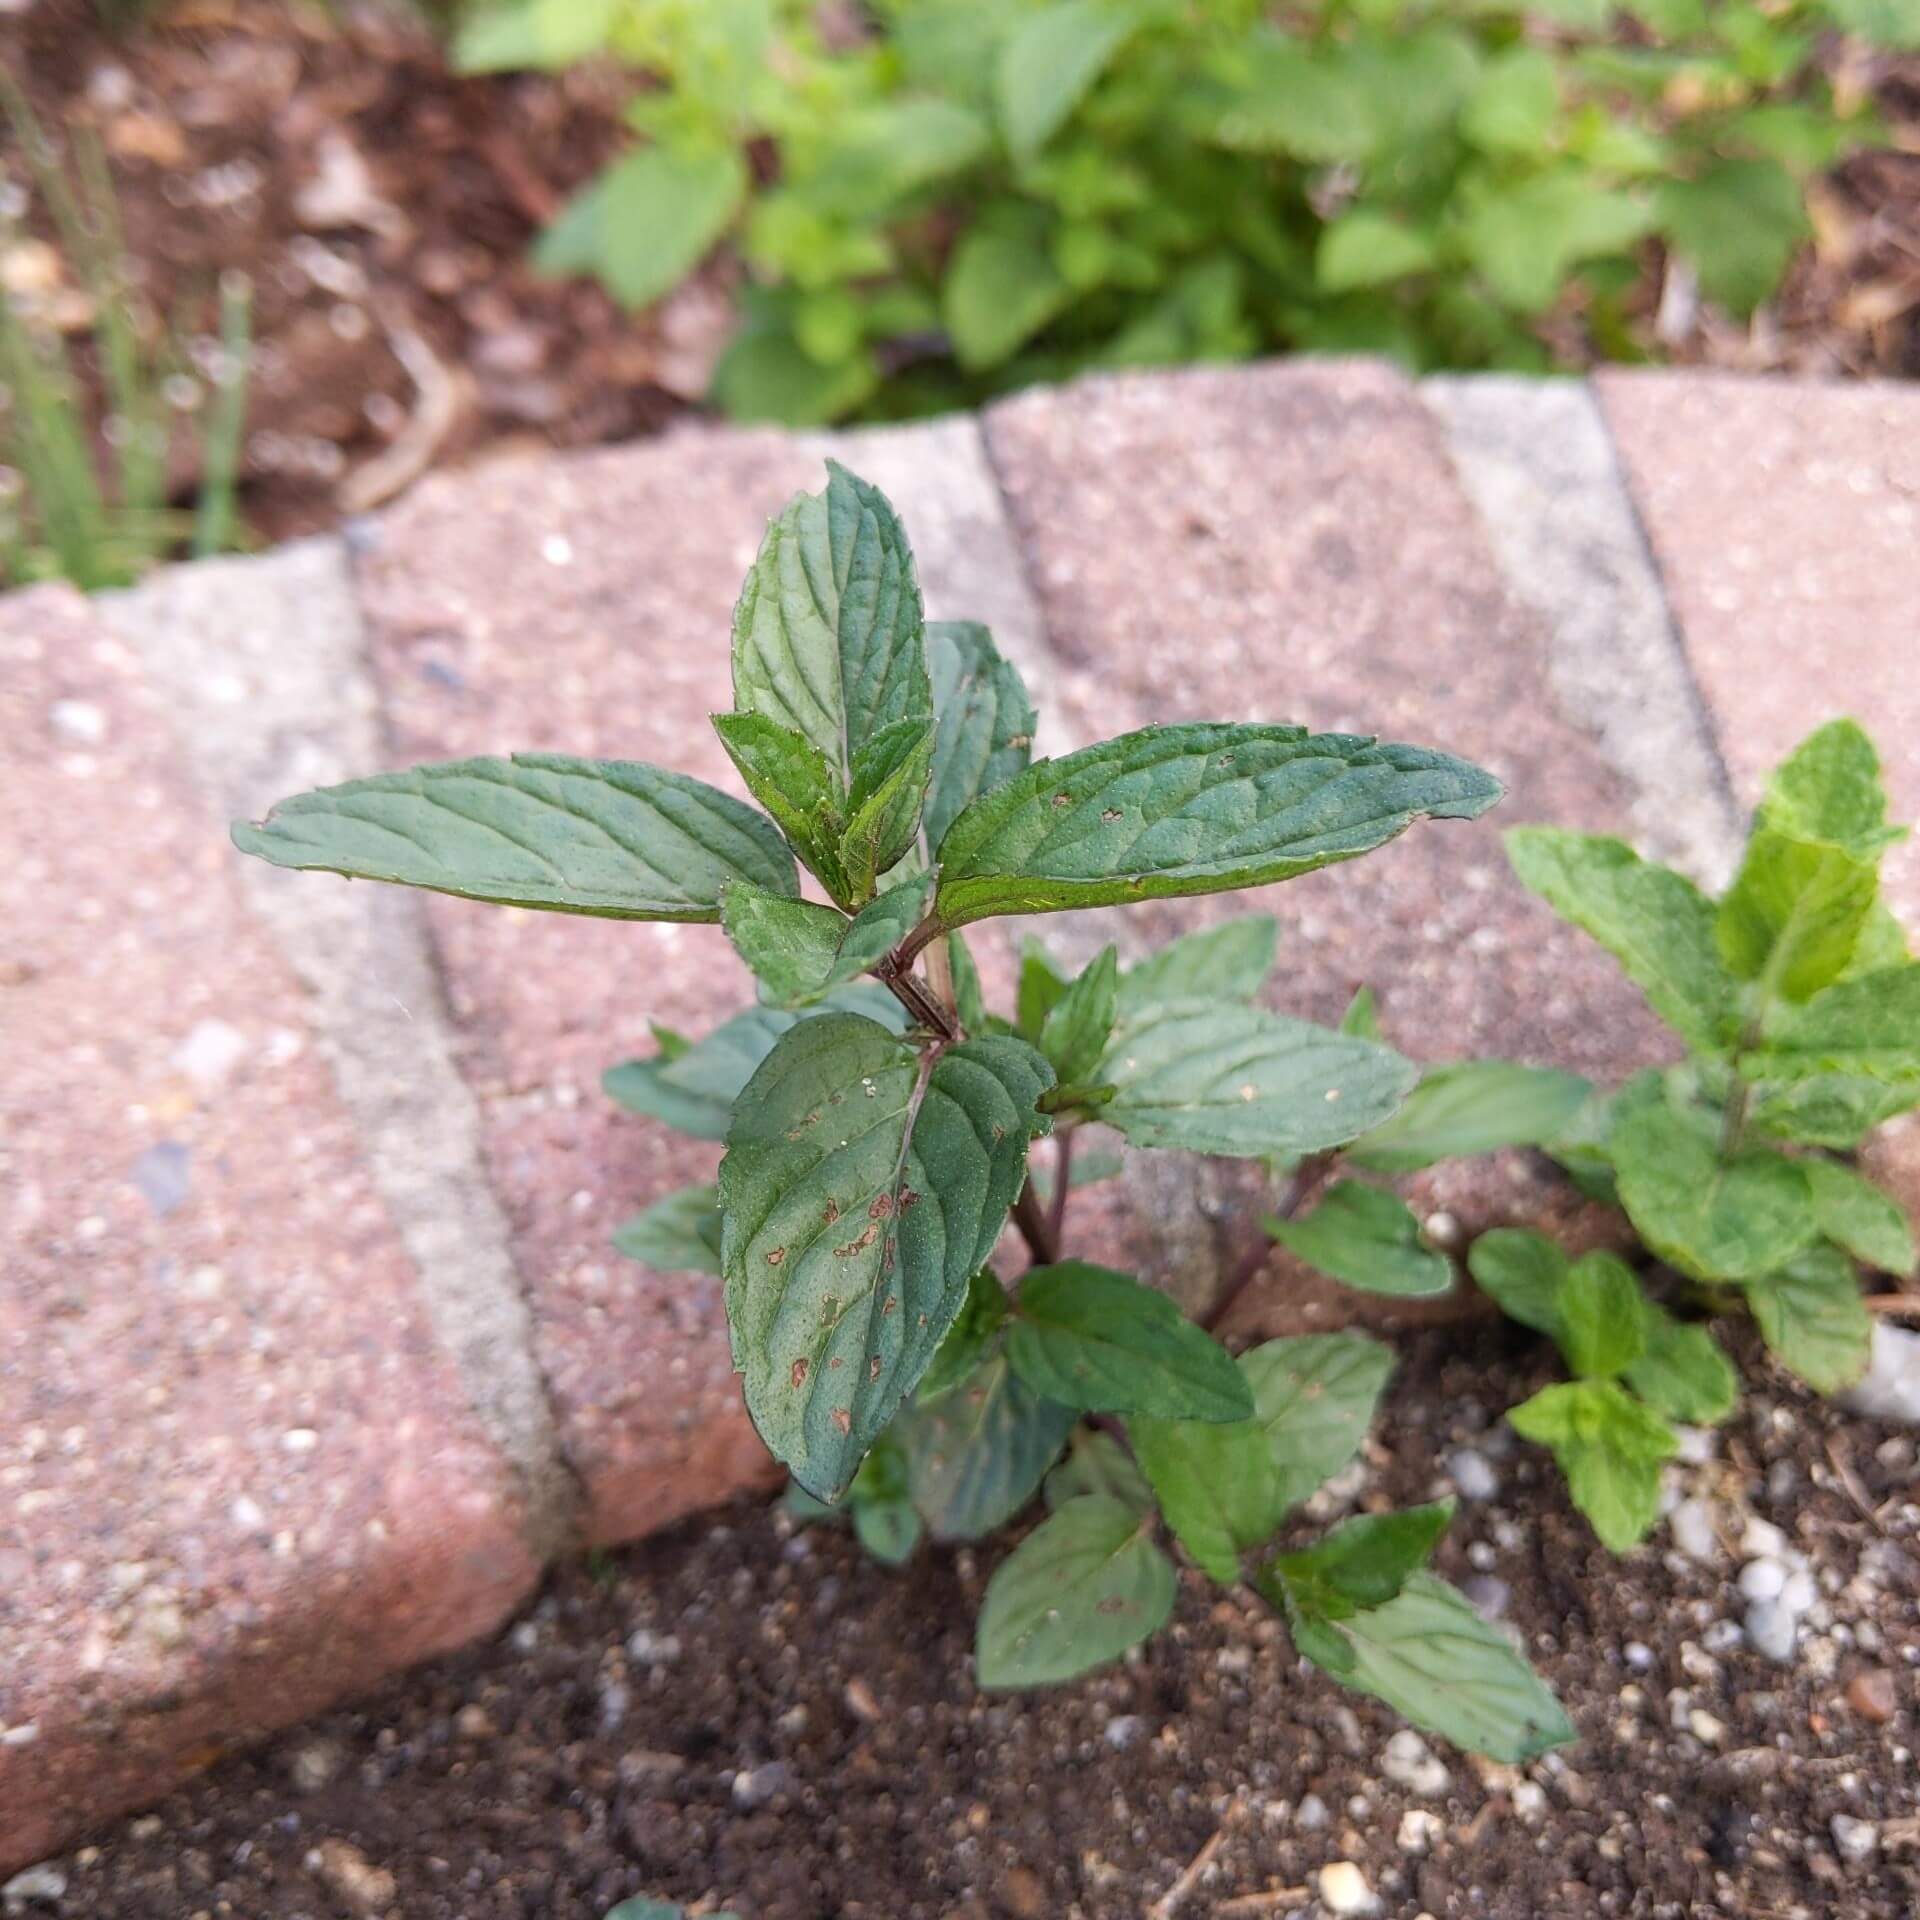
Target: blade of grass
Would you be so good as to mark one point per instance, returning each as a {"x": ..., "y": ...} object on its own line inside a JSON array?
[{"x": 220, "y": 467}]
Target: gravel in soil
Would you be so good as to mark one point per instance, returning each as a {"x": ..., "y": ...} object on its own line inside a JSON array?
[{"x": 738, "y": 1715}]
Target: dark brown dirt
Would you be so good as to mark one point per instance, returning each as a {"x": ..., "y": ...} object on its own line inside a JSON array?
[{"x": 739, "y": 1716}]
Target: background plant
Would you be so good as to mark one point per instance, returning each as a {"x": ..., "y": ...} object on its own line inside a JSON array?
[
  {"x": 878, "y": 1116},
  {"x": 64, "y": 512},
  {"x": 1799, "y": 1008},
  {"x": 966, "y": 195}
]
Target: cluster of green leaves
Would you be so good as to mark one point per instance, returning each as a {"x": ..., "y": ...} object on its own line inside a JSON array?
[
  {"x": 66, "y": 513},
  {"x": 967, "y": 195},
  {"x": 1799, "y": 1007},
  {"x": 877, "y": 1128}
]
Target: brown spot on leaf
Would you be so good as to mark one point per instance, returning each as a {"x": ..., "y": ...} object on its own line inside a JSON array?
[
  {"x": 1063, "y": 799},
  {"x": 833, "y": 1211},
  {"x": 1111, "y": 1604},
  {"x": 908, "y": 1198},
  {"x": 776, "y": 1256},
  {"x": 835, "y": 1364},
  {"x": 857, "y": 1246},
  {"x": 873, "y": 1366},
  {"x": 882, "y": 1207},
  {"x": 1111, "y": 814},
  {"x": 799, "y": 1374},
  {"x": 843, "y": 1419},
  {"x": 888, "y": 1305}
]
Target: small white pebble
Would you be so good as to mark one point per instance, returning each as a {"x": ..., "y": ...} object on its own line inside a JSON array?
[
  {"x": 557, "y": 550},
  {"x": 1762, "y": 1579},
  {"x": 1343, "y": 1889},
  {"x": 299, "y": 1440},
  {"x": 1856, "y": 1841},
  {"x": 77, "y": 722},
  {"x": 1762, "y": 1540}
]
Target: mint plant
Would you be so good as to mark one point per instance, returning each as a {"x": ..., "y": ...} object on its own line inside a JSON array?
[
  {"x": 879, "y": 1119},
  {"x": 937, "y": 200},
  {"x": 1799, "y": 1007}
]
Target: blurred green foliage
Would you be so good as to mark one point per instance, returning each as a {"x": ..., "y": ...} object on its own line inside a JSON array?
[{"x": 939, "y": 199}]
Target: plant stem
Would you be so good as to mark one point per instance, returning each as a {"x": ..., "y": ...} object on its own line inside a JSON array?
[
  {"x": 1254, "y": 1262},
  {"x": 913, "y": 995},
  {"x": 1062, "y": 1180},
  {"x": 1035, "y": 1227}
]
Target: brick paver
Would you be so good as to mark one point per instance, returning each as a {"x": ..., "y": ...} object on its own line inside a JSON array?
[{"x": 237, "y": 1476}]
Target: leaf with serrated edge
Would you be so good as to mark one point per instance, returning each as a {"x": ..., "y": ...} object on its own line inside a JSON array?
[
  {"x": 1811, "y": 1316},
  {"x": 1227, "y": 962},
  {"x": 1854, "y": 1212},
  {"x": 679, "y": 1234},
  {"x": 1828, "y": 789},
  {"x": 1713, "y": 1218},
  {"x": 792, "y": 779},
  {"x": 1611, "y": 1448},
  {"x": 1603, "y": 1317},
  {"x": 1474, "y": 1106},
  {"x": 1429, "y": 1656},
  {"x": 802, "y": 952},
  {"x": 984, "y": 722},
  {"x": 1836, "y": 1110},
  {"x": 828, "y": 635},
  {"x": 1868, "y": 1026},
  {"x": 1314, "y": 1395},
  {"x": 1655, "y": 922},
  {"x": 1216, "y": 1484},
  {"x": 1078, "y": 1026},
  {"x": 890, "y": 776},
  {"x": 1367, "y": 1238},
  {"x": 1191, "y": 809},
  {"x": 1522, "y": 1272},
  {"x": 1097, "y": 1463},
  {"x": 1363, "y": 1562},
  {"x": 1239, "y": 1080},
  {"x": 863, "y": 1186},
  {"x": 1078, "y": 1591},
  {"x": 980, "y": 1318},
  {"x": 694, "y": 1087},
  {"x": 613, "y": 838},
  {"x": 1100, "y": 1341},
  {"x": 1683, "y": 1371},
  {"x": 1794, "y": 914},
  {"x": 977, "y": 1454}
]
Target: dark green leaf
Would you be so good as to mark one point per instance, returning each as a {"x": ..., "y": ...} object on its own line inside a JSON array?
[
  {"x": 1854, "y": 1212},
  {"x": 977, "y": 1454},
  {"x": 1811, "y": 1317},
  {"x": 863, "y": 1187},
  {"x": 1429, "y": 1656},
  {"x": 984, "y": 718},
  {"x": 1080, "y": 1023},
  {"x": 965, "y": 1347},
  {"x": 1523, "y": 1272},
  {"x": 1611, "y": 1449},
  {"x": 1048, "y": 63},
  {"x": 1739, "y": 223},
  {"x": 1713, "y": 1218},
  {"x": 680, "y": 1234},
  {"x": 1219, "y": 1078},
  {"x": 1657, "y": 924},
  {"x": 614, "y": 838},
  {"x": 802, "y": 952},
  {"x": 1683, "y": 1372},
  {"x": 970, "y": 1000},
  {"x": 890, "y": 775},
  {"x": 1363, "y": 1562},
  {"x": 1097, "y": 1463},
  {"x": 1227, "y": 962},
  {"x": 1476, "y": 1106},
  {"x": 1191, "y": 809},
  {"x": 1078, "y": 1591},
  {"x": 1365, "y": 1237},
  {"x": 792, "y": 779},
  {"x": 1216, "y": 1484},
  {"x": 1603, "y": 1317},
  {"x": 828, "y": 636},
  {"x": 1100, "y": 1341},
  {"x": 1040, "y": 988}
]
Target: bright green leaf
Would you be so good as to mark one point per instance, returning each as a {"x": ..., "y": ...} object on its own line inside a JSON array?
[
  {"x": 1516, "y": 104},
  {"x": 1473, "y": 1106},
  {"x": 1657, "y": 924},
  {"x": 1314, "y": 1396},
  {"x": 1611, "y": 1449},
  {"x": 1039, "y": 991},
  {"x": 1811, "y": 1316},
  {"x": 1828, "y": 789},
  {"x": 1429, "y": 1656},
  {"x": 863, "y": 1187},
  {"x": 1867, "y": 1027},
  {"x": 1368, "y": 249},
  {"x": 1739, "y": 223},
  {"x": 1854, "y": 1212},
  {"x": 1237, "y": 1080},
  {"x": 984, "y": 718},
  {"x": 1713, "y": 1218},
  {"x": 1603, "y": 1317},
  {"x": 1100, "y": 1341},
  {"x": 1523, "y": 1273},
  {"x": 1367, "y": 1238},
  {"x": 1078, "y": 1591},
  {"x": 1079, "y": 1024},
  {"x": 1524, "y": 236},
  {"x": 1362, "y": 1018},
  {"x": 1191, "y": 809},
  {"x": 1048, "y": 63},
  {"x": 1683, "y": 1372},
  {"x": 977, "y": 1454},
  {"x": 828, "y": 635},
  {"x": 1227, "y": 962},
  {"x": 1001, "y": 288},
  {"x": 1794, "y": 914},
  {"x": 613, "y": 838},
  {"x": 550, "y": 34},
  {"x": 1216, "y": 1484},
  {"x": 679, "y": 1234},
  {"x": 1363, "y": 1562},
  {"x": 1836, "y": 1110}
]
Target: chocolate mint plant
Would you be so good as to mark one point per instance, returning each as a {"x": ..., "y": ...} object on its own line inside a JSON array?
[{"x": 879, "y": 1119}]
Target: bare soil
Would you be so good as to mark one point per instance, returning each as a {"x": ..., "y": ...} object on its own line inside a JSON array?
[{"x": 738, "y": 1716}]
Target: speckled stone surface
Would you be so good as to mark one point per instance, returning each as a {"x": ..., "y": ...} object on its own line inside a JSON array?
[
  {"x": 1786, "y": 520},
  {"x": 1289, "y": 541},
  {"x": 237, "y": 1478}
]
